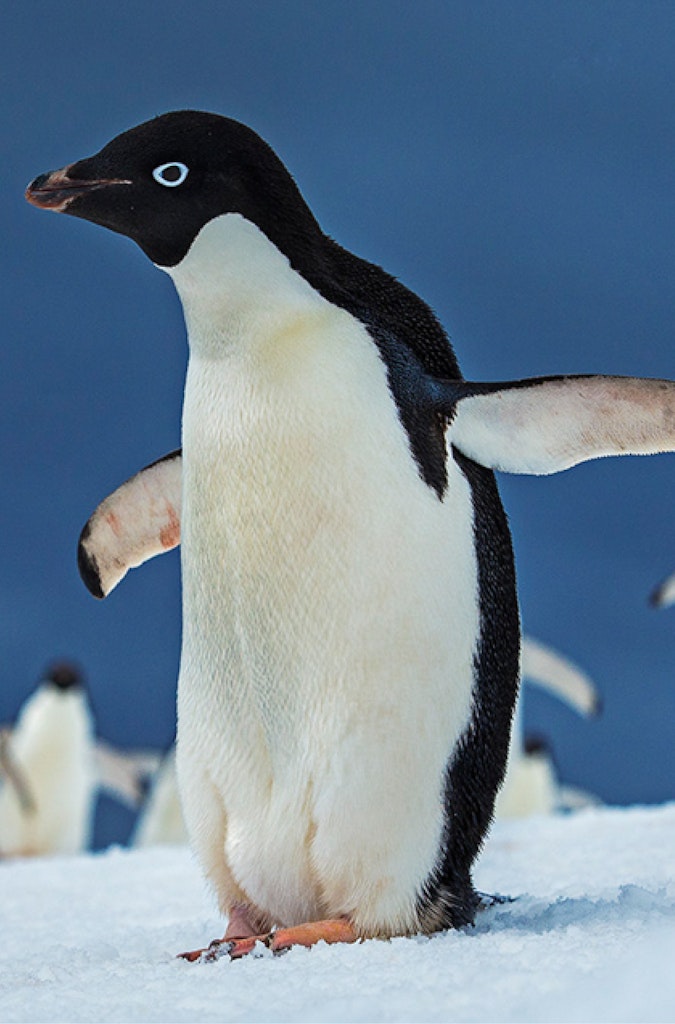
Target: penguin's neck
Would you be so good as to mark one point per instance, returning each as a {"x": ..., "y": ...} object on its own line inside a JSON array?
[{"x": 239, "y": 292}]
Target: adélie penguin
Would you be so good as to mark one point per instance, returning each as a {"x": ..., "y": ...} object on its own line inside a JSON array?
[
  {"x": 52, "y": 768},
  {"x": 351, "y": 637},
  {"x": 531, "y": 785},
  {"x": 49, "y": 808}
]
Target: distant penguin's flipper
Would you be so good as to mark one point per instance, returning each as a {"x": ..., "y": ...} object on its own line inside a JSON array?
[
  {"x": 558, "y": 675},
  {"x": 547, "y": 424},
  {"x": 125, "y": 774},
  {"x": 664, "y": 594},
  {"x": 139, "y": 520},
  {"x": 14, "y": 775}
]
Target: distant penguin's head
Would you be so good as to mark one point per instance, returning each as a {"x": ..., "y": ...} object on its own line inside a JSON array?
[
  {"x": 64, "y": 675},
  {"x": 534, "y": 745},
  {"x": 161, "y": 182}
]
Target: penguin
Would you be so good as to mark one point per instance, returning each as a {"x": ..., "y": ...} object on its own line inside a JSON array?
[
  {"x": 531, "y": 784},
  {"x": 160, "y": 821},
  {"x": 55, "y": 767},
  {"x": 351, "y": 638},
  {"x": 535, "y": 787},
  {"x": 52, "y": 748}
]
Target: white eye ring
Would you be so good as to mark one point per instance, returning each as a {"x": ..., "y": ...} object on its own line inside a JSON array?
[{"x": 179, "y": 173}]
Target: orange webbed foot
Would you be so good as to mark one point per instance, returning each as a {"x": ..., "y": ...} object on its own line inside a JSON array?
[
  {"x": 242, "y": 927},
  {"x": 280, "y": 941},
  {"x": 330, "y": 931}
]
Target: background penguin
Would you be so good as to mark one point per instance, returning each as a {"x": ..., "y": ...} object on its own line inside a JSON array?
[
  {"x": 52, "y": 746},
  {"x": 160, "y": 820},
  {"x": 537, "y": 789},
  {"x": 531, "y": 784},
  {"x": 56, "y": 767},
  {"x": 350, "y": 625}
]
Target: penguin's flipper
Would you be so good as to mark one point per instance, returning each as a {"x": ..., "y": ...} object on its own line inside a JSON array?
[
  {"x": 663, "y": 595},
  {"x": 14, "y": 775},
  {"x": 125, "y": 774},
  {"x": 558, "y": 675},
  {"x": 547, "y": 424},
  {"x": 139, "y": 520}
]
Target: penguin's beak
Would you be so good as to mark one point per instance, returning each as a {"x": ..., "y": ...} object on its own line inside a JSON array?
[{"x": 56, "y": 190}]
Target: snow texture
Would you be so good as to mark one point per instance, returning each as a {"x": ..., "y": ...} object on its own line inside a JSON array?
[{"x": 590, "y": 937}]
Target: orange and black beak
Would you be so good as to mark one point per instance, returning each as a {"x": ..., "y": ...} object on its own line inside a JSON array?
[{"x": 56, "y": 190}]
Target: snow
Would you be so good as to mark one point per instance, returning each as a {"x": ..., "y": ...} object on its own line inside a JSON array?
[{"x": 590, "y": 937}]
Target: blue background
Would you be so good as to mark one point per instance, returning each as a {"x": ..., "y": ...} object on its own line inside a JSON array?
[{"x": 513, "y": 163}]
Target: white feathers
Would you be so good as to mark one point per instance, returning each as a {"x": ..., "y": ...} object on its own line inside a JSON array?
[{"x": 324, "y": 681}]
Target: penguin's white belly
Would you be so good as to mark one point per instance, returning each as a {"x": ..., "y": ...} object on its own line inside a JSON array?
[
  {"x": 330, "y": 603},
  {"x": 330, "y": 622}
]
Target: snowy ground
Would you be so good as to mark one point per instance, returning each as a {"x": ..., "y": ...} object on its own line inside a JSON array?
[{"x": 591, "y": 937}]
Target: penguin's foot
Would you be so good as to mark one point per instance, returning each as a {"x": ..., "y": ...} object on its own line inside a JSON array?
[
  {"x": 487, "y": 900},
  {"x": 242, "y": 925},
  {"x": 279, "y": 941}
]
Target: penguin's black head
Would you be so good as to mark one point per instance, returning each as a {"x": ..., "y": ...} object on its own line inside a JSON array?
[
  {"x": 64, "y": 675},
  {"x": 161, "y": 182}
]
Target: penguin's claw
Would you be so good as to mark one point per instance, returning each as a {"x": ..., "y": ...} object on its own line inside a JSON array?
[
  {"x": 215, "y": 950},
  {"x": 486, "y": 900},
  {"x": 247, "y": 947},
  {"x": 235, "y": 949},
  {"x": 194, "y": 954}
]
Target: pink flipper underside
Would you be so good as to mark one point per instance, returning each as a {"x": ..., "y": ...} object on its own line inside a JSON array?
[{"x": 139, "y": 520}]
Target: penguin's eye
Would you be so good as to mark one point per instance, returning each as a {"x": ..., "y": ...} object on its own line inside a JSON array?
[{"x": 171, "y": 174}]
